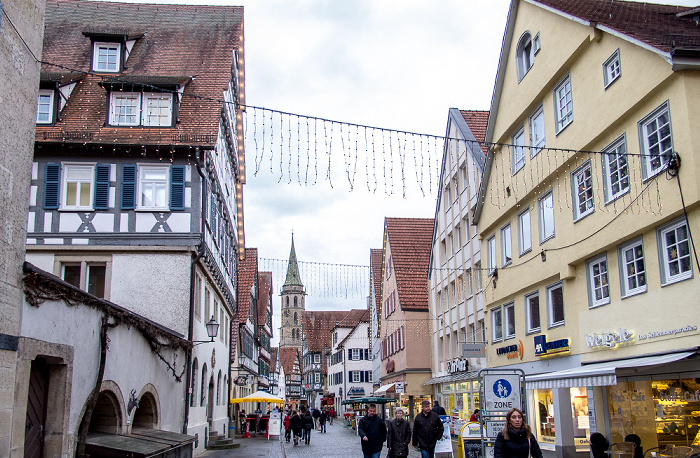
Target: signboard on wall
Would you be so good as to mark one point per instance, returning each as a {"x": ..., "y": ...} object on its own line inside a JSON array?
[{"x": 399, "y": 386}]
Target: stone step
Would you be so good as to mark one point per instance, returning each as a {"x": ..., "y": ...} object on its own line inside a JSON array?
[{"x": 222, "y": 444}]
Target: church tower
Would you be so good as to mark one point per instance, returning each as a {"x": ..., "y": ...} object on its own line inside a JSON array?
[{"x": 292, "y": 304}]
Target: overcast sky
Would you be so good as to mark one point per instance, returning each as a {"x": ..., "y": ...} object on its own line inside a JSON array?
[{"x": 392, "y": 64}]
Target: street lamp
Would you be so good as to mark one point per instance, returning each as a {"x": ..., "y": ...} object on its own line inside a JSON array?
[{"x": 212, "y": 331}]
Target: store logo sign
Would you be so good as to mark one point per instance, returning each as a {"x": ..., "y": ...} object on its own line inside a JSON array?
[
  {"x": 609, "y": 339},
  {"x": 511, "y": 351},
  {"x": 457, "y": 365},
  {"x": 544, "y": 348}
]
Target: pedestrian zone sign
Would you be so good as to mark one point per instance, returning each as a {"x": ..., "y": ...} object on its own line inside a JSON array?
[{"x": 502, "y": 392}]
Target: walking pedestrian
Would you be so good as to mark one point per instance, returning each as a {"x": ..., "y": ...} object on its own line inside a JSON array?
[
  {"x": 308, "y": 426},
  {"x": 296, "y": 424},
  {"x": 398, "y": 435},
  {"x": 287, "y": 431},
  {"x": 427, "y": 429},
  {"x": 322, "y": 421},
  {"x": 516, "y": 439},
  {"x": 372, "y": 431},
  {"x": 331, "y": 414},
  {"x": 316, "y": 414},
  {"x": 438, "y": 409}
]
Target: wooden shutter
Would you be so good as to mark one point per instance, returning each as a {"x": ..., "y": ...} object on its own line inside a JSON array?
[
  {"x": 52, "y": 181},
  {"x": 128, "y": 200},
  {"x": 177, "y": 187},
  {"x": 101, "y": 187}
]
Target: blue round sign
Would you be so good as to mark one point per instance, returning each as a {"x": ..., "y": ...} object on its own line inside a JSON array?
[{"x": 502, "y": 388}]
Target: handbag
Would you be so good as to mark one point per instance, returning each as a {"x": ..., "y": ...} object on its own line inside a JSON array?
[{"x": 529, "y": 448}]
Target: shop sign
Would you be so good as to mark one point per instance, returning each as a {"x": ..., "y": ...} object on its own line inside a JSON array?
[
  {"x": 544, "y": 348},
  {"x": 241, "y": 380},
  {"x": 473, "y": 350},
  {"x": 356, "y": 391},
  {"x": 399, "y": 386},
  {"x": 687, "y": 396},
  {"x": 390, "y": 366},
  {"x": 457, "y": 365},
  {"x": 494, "y": 427},
  {"x": 511, "y": 351},
  {"x": 609, "y": 339},
  {"x": 669, "y": 332}
]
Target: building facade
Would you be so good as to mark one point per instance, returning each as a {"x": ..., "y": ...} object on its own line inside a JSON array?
[
  {"x": 455, "y": 267},
  {"x": 375, "y": 300},
  {"x": 291, "y": 365},
  {"x": 349, "y": 360},
  {"x": 586, "y": 214},
  {"x": 293, "y": 304}
]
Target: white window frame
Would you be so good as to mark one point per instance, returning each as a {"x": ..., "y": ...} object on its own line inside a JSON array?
[
  {"x": 355, "y": 354},
  {"x": 317, "y": 358},
  {"x": 651, "y": 154},
  {"x": 43, "y": 94},
  {"x": 536, "y": 45},
  {"x": 544, "y": 212},
  {"x": 583, "y": 204},
  {"x": 317, "y": 377},
  {"x": 524, "y": 55},
  {"x": 528, "y": 313},
  {"x": 490, "y": 254},
  {"x": 563, "y": 104},
  {"x": 96, "y": 53},
  {"x": 665, "y": 253},
  {"x": 506, "y": 246},
  {"x": 524, "y": 240},
  {"x": 550, "y": 305},
  {"x": 508, "y": 316},
  {"x": 355, "y": 376},
  {"x": 85, "y": 263},
  {"x": 598, "y": 278},
  {"x": 121, "y": 119},
  {"x": 142, "y": 185},
  {"x": 496, "y": 327},
  {"x": 614, "y": 162},
  {"x": 518, "y": 152},
  {"x": 537, "y": 136},
  {"x": 158, "y": 98},
  {"x": 612, "y": 69},
  {"x": 66, "y": 178},
  {"x": 624, "y": 267}
]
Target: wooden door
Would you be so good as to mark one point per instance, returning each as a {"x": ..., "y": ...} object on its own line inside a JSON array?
[{"x": 36, "y": 409}]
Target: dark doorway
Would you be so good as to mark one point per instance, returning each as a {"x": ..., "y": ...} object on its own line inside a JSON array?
[{"x": 36, "y": 409}]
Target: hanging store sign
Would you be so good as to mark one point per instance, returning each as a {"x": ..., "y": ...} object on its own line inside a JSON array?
[
  {"x": 457, "y": 365},
  {"x": 544, "y": 348},
  {"x": 609, "y": 340},
  {"x": 511, "y": 351},
  {"x": 473, "y": 350}
]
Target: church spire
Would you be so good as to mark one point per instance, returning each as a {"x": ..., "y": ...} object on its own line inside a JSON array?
[{"x": 293, "y": 269}]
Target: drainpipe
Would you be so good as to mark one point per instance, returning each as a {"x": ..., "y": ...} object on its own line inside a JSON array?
[{"x": 193, "y": 270}]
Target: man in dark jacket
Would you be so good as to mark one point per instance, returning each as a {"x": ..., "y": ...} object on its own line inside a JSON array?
[
  {"x": 427, "y": 429},
  {"x": 372, "y": 431},
  {"x": 398, "y": 436},
  {"x": 438, "y": 409}
]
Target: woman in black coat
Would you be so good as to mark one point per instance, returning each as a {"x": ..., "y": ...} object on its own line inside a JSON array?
[
  {"x": 398, "y": 435},
  {"x": 296, "y": 424},
  {"x": 516, "y": 439},
  {"x": 308, "y": 425}
]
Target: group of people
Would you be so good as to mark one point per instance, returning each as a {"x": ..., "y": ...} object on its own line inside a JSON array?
[{"x": 301, "y": 423}]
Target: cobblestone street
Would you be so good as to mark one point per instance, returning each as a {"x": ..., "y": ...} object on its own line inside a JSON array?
[{"x": 339, "y": 441}]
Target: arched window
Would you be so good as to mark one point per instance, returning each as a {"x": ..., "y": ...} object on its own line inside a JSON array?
[
  {"x": 524, "y": 55},
  {"x": 287, "y": 301},
  {"x": 295, "y": 302},
  {"x": 203, "y": 393},
  {"x": 106, "y": 416},
  {"x": 218, "y": 389},
  {"x": 146, "y": 415},
  {"x": 193, "y": 383},
  {"x": 295, "y": 317}
]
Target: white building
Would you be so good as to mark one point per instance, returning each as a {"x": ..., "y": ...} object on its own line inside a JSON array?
[
  {"x": 455, "y": 266},
  {"x": 375, "y": 300},
  {"x": 350, "y": 364}
]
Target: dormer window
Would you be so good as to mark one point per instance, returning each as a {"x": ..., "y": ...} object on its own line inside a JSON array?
[
  {"x": 153, "y": 109},
  {"x": 524, "y": 54},
  {"x": 106, "y": 57},
  {"x": 46, "y": 106}
]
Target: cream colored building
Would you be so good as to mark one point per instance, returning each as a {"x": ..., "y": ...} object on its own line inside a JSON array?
[
  {"x": 455, "y": 267},
  {"x": 591, "y": 287}
]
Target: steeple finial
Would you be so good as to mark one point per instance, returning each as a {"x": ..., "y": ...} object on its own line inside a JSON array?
[{"x": 293, "y": 277}]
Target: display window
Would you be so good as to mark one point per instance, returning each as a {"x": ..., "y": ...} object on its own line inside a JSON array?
[
  {"x": 544, "y": 416},
  {"x": 579, "y": 412}
]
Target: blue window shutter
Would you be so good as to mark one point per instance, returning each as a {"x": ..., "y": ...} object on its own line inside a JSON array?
[
  {"x": 52, "y": 182},
  {"x": 366, "y": 353},
  {"x": 128, "y": 187},
  {"x": 349, "y": 354},
  {"x": 366, "y": 376},
  {"x": 362, "y": 376},
  {"x": 349, "y": 376},
  {"x": 177, "y": 187},
  {"x": 101, "y": 187}
]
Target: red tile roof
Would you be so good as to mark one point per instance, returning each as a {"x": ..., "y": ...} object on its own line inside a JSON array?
[
  {"x": 274, "y": 351},
  {"x": 247, "y": 275},
  {"x": 317, "y": 328},
  {"x": 264, "y": 295},
  {"x": 476, "y": 120},
  {"x": 375, "y": 256},
  {"x": 655, "y": 25},
  {"x": 173, "y": 42},
  {"x": 410, "y": 240},
  {"x": 287, "y": 356},
  {"x": 362, "y": 318}
]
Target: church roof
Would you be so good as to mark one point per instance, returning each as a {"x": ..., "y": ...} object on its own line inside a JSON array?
[{"x": 293, "y": 278}]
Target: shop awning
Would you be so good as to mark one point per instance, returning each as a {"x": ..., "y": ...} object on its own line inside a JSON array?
[
  {"x": 599, "y": 374},
  {"x": 386, "y": 388},
  {"x": 451, "y": 378}
]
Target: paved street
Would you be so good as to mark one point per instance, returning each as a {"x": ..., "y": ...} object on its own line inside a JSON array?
[{"x": 339, "y": 441}]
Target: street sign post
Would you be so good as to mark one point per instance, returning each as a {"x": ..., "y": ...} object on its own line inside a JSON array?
[{"x": 501, "y": 390}]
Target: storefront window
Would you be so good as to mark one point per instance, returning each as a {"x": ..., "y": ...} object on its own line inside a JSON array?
[
  {"x": 579, "y": 410},
  {"x": 448, "y": 387},
  {"x": 544, "y": 416}
]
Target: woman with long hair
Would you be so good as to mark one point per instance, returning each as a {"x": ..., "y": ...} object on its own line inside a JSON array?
[{"x": 516, "y": 439}]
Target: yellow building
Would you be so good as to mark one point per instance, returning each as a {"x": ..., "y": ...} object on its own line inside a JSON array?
[{"x": 586, "y": 216}]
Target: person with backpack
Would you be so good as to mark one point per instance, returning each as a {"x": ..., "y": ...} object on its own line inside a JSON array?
[{"x": 308, "y": 426}]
